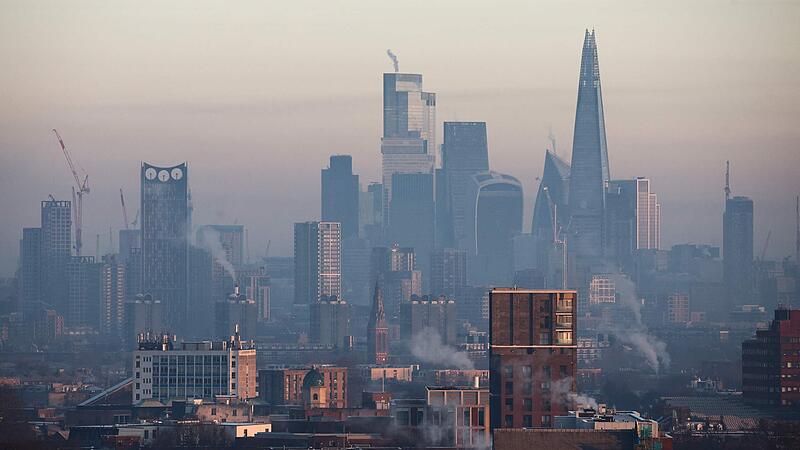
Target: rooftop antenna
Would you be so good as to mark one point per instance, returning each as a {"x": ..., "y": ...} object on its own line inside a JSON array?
[
  {"x": 727, "y": 180},
  {"x": 395, "y": 62},
  {"x": 552, "y": 139}
]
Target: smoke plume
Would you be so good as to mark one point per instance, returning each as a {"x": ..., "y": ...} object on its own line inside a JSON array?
[
  {"x": 395, "y": 62},
  {"x": 653, "y": 350},
  {"x": 561, "y": 393},
  {"x": 210, "y": 241},
  {"x": 427, "y": 346}
]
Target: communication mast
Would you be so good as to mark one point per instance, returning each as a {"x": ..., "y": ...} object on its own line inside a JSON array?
[{"x": 727, "y": 180}]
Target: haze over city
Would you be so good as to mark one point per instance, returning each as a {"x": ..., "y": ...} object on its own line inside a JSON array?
[{"x": 255, "y": 96}]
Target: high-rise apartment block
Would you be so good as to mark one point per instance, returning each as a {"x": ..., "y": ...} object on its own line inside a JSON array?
[
  {"x": 448, "y": 272},
  {"x": 340, "y": 195},
  {"x": 165, "y": 225},
  {"x": 532, "y": 356},
  {"x": 84, "y": 291},
  {"x": 31, "y": 272},
  {"x": 648, "y": 216},
  {"x": 56, "y": 251},
  {"x": 112, "y": 297},
  {"x": 771, "y": 362},
  {"x": 317, "y": 261},
  {"x": 165, "y": 370},
  {"x": 737, "y": 250},
  {"x": 330, "y": 322}
]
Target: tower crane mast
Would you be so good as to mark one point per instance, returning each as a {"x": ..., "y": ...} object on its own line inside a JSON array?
[{"x": 82, "y": 185}]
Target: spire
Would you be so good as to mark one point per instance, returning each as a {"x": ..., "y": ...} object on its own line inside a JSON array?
[
  {"x": 377, "y": 330},
  {"x": 377, "y": 317}
]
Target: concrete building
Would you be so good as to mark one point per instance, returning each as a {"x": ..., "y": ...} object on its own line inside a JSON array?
[
  {"x": 678, "y": 308},
  {"x": 236, "y": 314},
  {"x": 532, "y": 356},
  {"x": 31, "y": 282},
  {"x": 648, "y": 216},
  {"x": 771, "y": 362},
  {"x": 56, "y": 253},
  {"x": 340, "y": 195},
  {"x": 283, "y": 385},
  {"x": 317, "y": 261},
  {"x": 84, "y": 292},
  {"x": 460, "y": 414},
  {"x": 602, "y": 290},
  {"x": 165, "y": 224},
  {"x": 143, "y": 315},
  {"x": 165, "y": 370},
  {"x": 255, "y": 284},
  {"x": 435, "y": 315},
  {"x": 448, "y": 272},
  {"x": 330, "y": 323}
]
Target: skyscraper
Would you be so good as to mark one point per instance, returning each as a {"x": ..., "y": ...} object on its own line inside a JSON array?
[
  {"x": 112, "y": 297},
  {"x": 165, "y": 222},
  {"x": 340, "y": 193},
  {"x": 317, "y": 261},
  {"x": 31, "y": 272},
  {"x": 412, "y": 216},
  {"x": 648, "y": 216},
  {"x": 465, "y": 152},
  {"x": 737, "y": 250},
  {"x": 56, "y": 250},
  {"x": 409, "y": 130},
  {"x": 449, "y": 272},
  {"x": 532, "y": 356},
  {"x": 589, "y": 170},
  {"x": 377, "y": 331},
  {"x": 549, "y": 232},
  {"x": 84, "y": 291},
  {"x": 497, "y": 219}
]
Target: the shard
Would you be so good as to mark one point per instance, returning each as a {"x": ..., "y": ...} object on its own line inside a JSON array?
[{"x": 589, "y": 171}]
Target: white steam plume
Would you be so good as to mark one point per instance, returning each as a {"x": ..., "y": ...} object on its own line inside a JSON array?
[
  {"x": 428, "y": 347},
  {"x": 212, "y": 243},
  {"x": 561, "y": 393},
  {"x": 395, "y": 62}
]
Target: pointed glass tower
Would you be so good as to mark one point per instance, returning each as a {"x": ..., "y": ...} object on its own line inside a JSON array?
[{"x": 589, "y": 169}]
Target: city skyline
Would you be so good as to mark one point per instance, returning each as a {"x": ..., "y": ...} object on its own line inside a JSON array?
[{"x": 32, "y": 166}]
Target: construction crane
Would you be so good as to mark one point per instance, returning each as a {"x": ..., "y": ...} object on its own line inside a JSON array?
[
  {"x": 766, "y": 244},
  {"x": 124, "y": 211},
  {"x": 135, "y": 220},
  {"x": 82, "y": 184}
]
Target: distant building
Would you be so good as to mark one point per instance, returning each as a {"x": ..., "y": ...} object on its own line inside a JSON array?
[
  {"x": 356, "y": 253},
  {"x": 255, "y": 284},
  {"x": 678, "y": 308},
  {"x": 550, "y": 218},
  {"x": 226, "y": 245},
  {"x": 48, "y": 327},
  {"x": 84, "y": 291},
  {"x": 226, "y": 368},
  {"x": 317, "y": 261},
  {"x": 497, "y": 220},
  {"x": 602, "y": 290},
  {"x": 165, "y": 225},
  {"x": 394, "y": 269},
  {"x": 771, "y": 362},
  {"x": 436, "y": 315},
  {"x": 409, "y": 131},
  {"x": 237, "y": 313},
  {"x": 377, "y": 331},
  {"x": 461, "y": 415},
  {"x": 340, "y": 195},
  {"x": 285, "y": 385},
  {"x": 143, "y": 315},
  {"x": 412, "y": 216},
  {"x": 112, "y": 297},
  {"x": 129, "y": 239},
  {"x": 56, "y": 253},
  {"x": 31, "y": 281},
  {"x": 330, "y": 322},
  {"x": 448, "y": 272},
  {"x": 532, "y": 356},
  {"x": 200, "y": 290},
  {"x": 648, "y": 216},
  {"x": 737, "y": 248}
]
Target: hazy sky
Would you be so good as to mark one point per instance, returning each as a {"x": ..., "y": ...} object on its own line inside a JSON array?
[{"x": 257, "y": 95}]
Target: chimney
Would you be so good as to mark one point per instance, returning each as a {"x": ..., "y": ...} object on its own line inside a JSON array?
[
  {"x": 476, "y": 381},
  {"x": 236, "y": 290}
]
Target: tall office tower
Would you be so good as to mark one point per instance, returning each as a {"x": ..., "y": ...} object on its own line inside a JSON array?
[
  {"x": 436, "y": 316},
  {"x": 145, "y": 316},
  {"x": 133, "y": 273},
  {"x": 254, "y": 283},
  {"x": 56, "y": 250},
  {"x": 409, "y": 130},
  {"x": 449, "y": 272},
  {"x": 497, "y": 219},
  {"x": 236, "y": 312},
  {"x": 549, "y": 232},
  {"x": 226, "y": 245},
  {"x": 395, "y": 271},
  {"x": 112, "y": 297},
  {"x": 377, "y": 331},
  {"x": 412, "y": 216},
  {"x": 84, "y": 292},
  {"x": 330, "y": 322},
  {"x": 589, "y": 171},
  {"x": 621, "y": 222},
  {"x": 31, "y": 272},
  {"x": 165, "y": 224},
  {"x": 356, "y": 254},
  {"x": 737, "y": 250},
  {"x": 371, "y": 214},
  {"x": 317, "y": 261},
  {"x": 199, "y": 287},
  {"x": 770, "y": 360},
  {"x": 648, "y": 216},
  {"x": 391, "y": 259},
  {"x": 532, "y": 356},
  {"x": 340, "y": 194},
  {"x": 465, "y": 152}
]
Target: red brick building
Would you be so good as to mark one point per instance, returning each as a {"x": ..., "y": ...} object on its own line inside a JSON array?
[
  {"x": 532, "y": 356},
  {"x": 771, "y": 362}
]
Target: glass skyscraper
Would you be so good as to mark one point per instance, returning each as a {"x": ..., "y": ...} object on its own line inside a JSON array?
[
  {"x": 340, "y": 194},
  {"x": 589, "y": 170},
  {"x": 165, "y": 225}
]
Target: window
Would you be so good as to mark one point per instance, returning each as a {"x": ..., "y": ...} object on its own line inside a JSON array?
[
  {"x": 546, "y": 420},
  {"x": 481, "y": 421},
  {"x": 527, "y": 404},
  {"x": 509, "y": 421},
  {"x": 213, "y": 411},
  {"x": 562, "y": 371},
  {"x": 526, "y": 371},
  {"x": 509, "y": 388},
  {"x": 509, "y": 404},
  {"x": 564, "y": 337},
  {"x": 527, "y": 388},
  {"x": 546, "y": 372},
  {"x": 527, "y": 421},
  {"x": 508, "y": 371}
]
